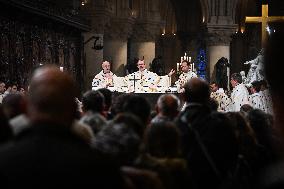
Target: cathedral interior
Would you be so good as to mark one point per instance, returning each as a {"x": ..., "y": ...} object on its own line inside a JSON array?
[{"x": 79, "y": 34}]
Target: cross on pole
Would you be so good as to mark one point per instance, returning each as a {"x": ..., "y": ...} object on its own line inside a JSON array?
[{"x": 264, "y": 19}]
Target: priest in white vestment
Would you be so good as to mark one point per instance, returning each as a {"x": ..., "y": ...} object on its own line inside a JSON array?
[
  {"x": 146, "y": 81},
  {"x": 255, "y": 99},
  {"x": 104, "y": 79},
  {"x": 186, "y": 75},
  {"x": 220, "y": 96},
  {"x": 239, "y": 95}
]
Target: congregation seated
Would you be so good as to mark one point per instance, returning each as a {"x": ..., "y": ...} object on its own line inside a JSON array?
[
  {"x": 50, "y": 153},
  {"x": 167, "y": 108},
  {"x": 93, "y": 106},
  {"x": 194, "y": 148}
]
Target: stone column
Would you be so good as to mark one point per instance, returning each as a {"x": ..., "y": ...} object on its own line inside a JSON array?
[
  {"x": 99, "y": 13},
  {"x": 115, "y": 45},
  {"x": 143, "y": 42},
  {"x": 219, "y": 39}
]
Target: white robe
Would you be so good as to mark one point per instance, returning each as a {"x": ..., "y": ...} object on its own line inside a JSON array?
[
  {"x": 145, "y": 81},
  {"x": 222, "y": 99},
  {"x": 102, "y": 81},
  {"x": 256, "y": 101},
  {"x": 239, "y": 97},
  {"x": 183, "y": 78}
]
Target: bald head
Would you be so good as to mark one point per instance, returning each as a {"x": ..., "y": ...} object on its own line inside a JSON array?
[
  {"x": 51, "y": 96},
  {"x": 168, "y": 104},
  {"x": 106, "y": 66}
]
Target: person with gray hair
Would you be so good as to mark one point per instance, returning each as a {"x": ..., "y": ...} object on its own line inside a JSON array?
[
  {"x": 167, "y": 108},
  {"x": 239, "y": 95}
]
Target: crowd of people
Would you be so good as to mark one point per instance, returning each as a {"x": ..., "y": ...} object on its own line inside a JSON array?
[{"x": 50, "y": 138}]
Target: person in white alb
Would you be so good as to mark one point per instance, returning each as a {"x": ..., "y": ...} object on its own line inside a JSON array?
[
  {"x": 220, "y": 96},
  {"x": 255, "y": 99},
  {"x": 144, "y": 80},
  {"x": 104, "y": 79},
  {"x": 239, "y": 95},
  {"x": 186, "y": 75}
]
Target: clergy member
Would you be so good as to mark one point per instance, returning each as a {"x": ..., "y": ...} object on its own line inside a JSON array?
[
  {"x": 239, "y": 95},
  {"x": 104, "y": 79},
  {"x": 255, "y": 99},
  {"x": 144, "y": 80},
  {"x": 186, "y": 75},
  {"x": 220, "y": 96}
]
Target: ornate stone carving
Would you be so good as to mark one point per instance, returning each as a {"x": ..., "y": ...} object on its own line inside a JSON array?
[
  {"x": 31, "y": 46},
  {"x": 220, "y": 35}
]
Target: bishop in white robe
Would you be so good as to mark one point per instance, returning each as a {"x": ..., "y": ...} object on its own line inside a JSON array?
[
  {"x": 104, "y": 79},
  {"x": 146, "y": 81}
]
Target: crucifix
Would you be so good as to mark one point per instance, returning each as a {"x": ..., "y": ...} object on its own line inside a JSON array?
[
  {"x": 134, "y": 81},
  {"x": 264, "y": 19}
]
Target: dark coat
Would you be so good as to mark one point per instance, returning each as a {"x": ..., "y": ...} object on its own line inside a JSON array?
[{"x": 50, "y": 155}]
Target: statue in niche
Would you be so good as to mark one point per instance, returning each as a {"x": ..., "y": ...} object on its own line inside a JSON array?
[
  {"x": 72, "y": 52},
  {"x": 35, "y": 52},
  {"x": 19, "y": 50},
  {"x": 256, "y": 72},
  {"x": 48, "y": 54},
  {"x": 61, "y": 53},
  {"x": 220, "y": 73}
]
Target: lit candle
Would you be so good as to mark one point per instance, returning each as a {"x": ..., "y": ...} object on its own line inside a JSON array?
[
  {"x": 192, "y": 66},
  {"x": 189, "y": 59},
  {"x": 177, "y": 67}
]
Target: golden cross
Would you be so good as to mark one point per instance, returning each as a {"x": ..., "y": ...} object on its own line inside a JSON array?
[{"x": 264, "y": 19}]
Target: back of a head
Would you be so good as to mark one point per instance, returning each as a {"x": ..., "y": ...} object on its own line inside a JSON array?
[
  {"x": 14, "y": 105},
  {"x": 163, "y": 140},
  {"x": 138, "y": 106},
  {"x": 93, "y": 101},
  {"x": 108, "y": 97},
  {"x": 256, "y": 85},
  {"x": 246, "y": 108},
  {"x": 52, "y": 96},
  {"x": 168, "y": 104},
  {"x": 197, "y": 90},
  {"x": 237, "y": 77},
  {"x": 131, "y": 121}
]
